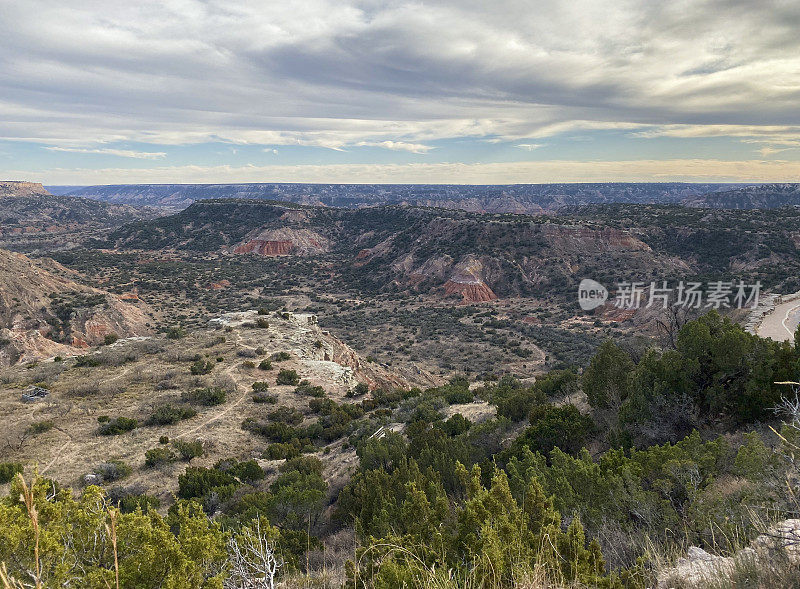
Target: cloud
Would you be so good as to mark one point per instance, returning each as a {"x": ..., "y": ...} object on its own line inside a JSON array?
[
  {"x": 750, "y": 133},
  {"x": 398, "y": 74},
  {"x": 529, "y": 146},
  {"x": 141, "y": 155},
  {"x": 397, "y": 146},
  {"x": 649, "y": 170},
  {"x": 772, "y": 138}
]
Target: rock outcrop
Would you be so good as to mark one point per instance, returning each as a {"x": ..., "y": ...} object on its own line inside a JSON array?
[
  {"x": 778, "y": 547},
  {"x": 323, "y": 358},
  {"x": 265, "y": 247}
]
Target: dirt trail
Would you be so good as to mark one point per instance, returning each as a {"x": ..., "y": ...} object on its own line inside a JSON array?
[
  {"x": 229, "y": 371},
  {"x": 228, "y": 407},
  {"x": 56, "y": 457}
]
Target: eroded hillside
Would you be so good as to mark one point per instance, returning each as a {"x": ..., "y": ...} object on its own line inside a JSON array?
[
  {"x": 45, "y": 313},
  {"x": 478, "y": 257}
]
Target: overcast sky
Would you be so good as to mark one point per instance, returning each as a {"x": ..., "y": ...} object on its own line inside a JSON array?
[{"x": 472, "y": 91}]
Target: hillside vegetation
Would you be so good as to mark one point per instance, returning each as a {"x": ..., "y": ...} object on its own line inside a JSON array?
[{"x": 583, "y": 480}]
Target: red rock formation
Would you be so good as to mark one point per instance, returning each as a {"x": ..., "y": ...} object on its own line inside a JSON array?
[
  {"x": 472, "y": 292},
  {"x": 220, "y": 285},
  {"x": 284, "y": 241},
  {"x": 265, "y": 248}
]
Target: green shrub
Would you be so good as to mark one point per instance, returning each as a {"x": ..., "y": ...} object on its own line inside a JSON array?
[
  {"x": 260, "y": 386},
  {"x": 175, "y": 333},
  {"x": 113, "y": 470},
  {"x": 133, "y": 503},
  {"x": 207, "y": 397},
  {"x": 265, "y": 398},
  {"x": 197, "y": 481},
  {"x": 265, "y": 365},
  {"x": 163, "y": 440},
  {"x": 456, "y": 425},
  {"x": 518, "y": 404},
  {"x": 167, "y": 414},
  {"x": 281, "y": 451},
  {"x": 87, "y": 361},
  {"x": 606, "y": 381},
  {"x": 551, "y": 427},
  {"x": 247, "y": 471},
  {"x": 201, "y": 367},
  {"x": 281, "y": 356},
  {"x": 158, "y": 457},
  {"x": 39, "y": 427},
  {"x": 188, "y": 450},
  {"x": 117, "y": 426},
  {"x": 8, "y": 470},
  {"x": 359, "y": 390},
  {"x": 286, "y": 415},
  {"x": 262, "y": 323},
  {"x": 304, "y": 388},
  {"x": 287, "y": 377},
  {"x": 110, "y": 338},
  {"x": 322, "y": 406}
]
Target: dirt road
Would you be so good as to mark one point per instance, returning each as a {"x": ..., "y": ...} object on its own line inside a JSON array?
[{"x": 780, "y": 325}]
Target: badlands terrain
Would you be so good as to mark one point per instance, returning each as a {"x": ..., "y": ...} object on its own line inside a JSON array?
[{"x": 334, "y": 360}]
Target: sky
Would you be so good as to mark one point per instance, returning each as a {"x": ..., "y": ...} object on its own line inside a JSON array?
[{"x": 450, "y": 91}]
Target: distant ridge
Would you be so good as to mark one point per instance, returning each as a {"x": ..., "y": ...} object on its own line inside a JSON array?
[
  {"x": 508, "y": 198},
  {"x": 765, "y": 196}
]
